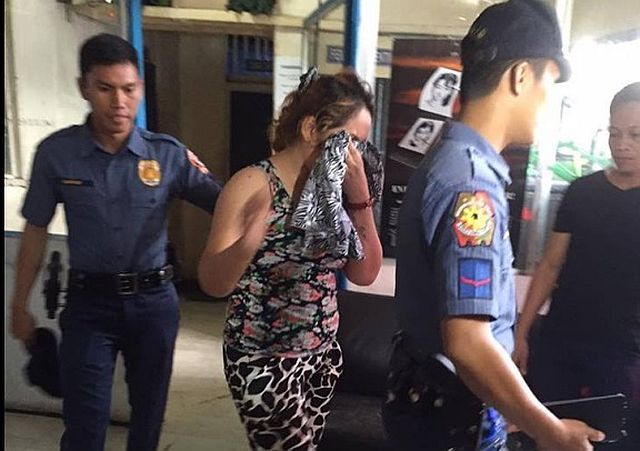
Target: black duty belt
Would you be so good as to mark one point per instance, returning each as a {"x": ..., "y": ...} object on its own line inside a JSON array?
[{"x": 122, "y": 284}]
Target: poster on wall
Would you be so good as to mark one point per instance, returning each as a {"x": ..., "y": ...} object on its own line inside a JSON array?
[
  {"x": 421, "y": 135},
  {"x": 440, "y": 92},
  {"x": 425, "y": 79},
  {"x": 424, "y": 96}
]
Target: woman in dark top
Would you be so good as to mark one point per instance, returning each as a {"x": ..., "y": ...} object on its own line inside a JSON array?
[{"x": 590, "y": 341}]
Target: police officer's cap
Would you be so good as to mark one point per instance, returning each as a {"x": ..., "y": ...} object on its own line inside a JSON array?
[
  {"x": 42, "y": 369},
  {"x": 513, "y": 30}
]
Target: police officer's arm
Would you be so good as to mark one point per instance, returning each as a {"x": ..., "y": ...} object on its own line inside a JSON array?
[
  {"x": 38, "y": 209},
  {"x": 237, "y": 230},
  {"x": 32, "y": 246},
  {"x": 542, "y": 284},
  {"x": 196, "y": 184},
  {"x": 469, "y": 250},
  {"x": 486, "y": 368}
]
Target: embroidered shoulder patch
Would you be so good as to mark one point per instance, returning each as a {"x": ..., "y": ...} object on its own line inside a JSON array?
[
  {"x": 474, "y": 221},
  {"x": 475, "y": 278},
  {"x": 196, "y": 163}
]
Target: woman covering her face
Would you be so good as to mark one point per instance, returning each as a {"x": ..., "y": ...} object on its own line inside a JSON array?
[{"x": 281, "y": 357}]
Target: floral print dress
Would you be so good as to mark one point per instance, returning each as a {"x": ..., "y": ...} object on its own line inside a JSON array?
[{"x": 285, "y": 304}]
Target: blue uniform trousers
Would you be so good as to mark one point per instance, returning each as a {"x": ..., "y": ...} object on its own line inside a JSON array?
[{"x": 95, "y": 327}]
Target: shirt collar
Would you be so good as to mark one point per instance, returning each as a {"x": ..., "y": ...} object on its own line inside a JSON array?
[
  {"x": 134, "y": 144},
  {"x": 458, "y": 130}
]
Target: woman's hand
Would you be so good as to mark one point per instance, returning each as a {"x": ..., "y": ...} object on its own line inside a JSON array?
[
  {"x": 355, "y": 184},
  {"x": 520, "y": 354}
]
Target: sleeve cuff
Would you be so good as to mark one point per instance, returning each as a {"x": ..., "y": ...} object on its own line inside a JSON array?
[{"x": 481, "y": 307}]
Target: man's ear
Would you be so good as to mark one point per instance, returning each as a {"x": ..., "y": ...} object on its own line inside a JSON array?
[
  {"x": 518, "y": 75},
  {"x": 308, "y": 129},
  {"x": 82, "y": 86}
]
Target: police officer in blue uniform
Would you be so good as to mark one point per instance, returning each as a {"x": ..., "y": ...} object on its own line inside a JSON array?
[
  {"x": 454, "y": 287},
  {"x": 115, "y": 181}
]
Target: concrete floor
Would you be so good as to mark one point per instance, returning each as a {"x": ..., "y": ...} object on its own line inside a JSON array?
[{"x": 200, "y": 413}]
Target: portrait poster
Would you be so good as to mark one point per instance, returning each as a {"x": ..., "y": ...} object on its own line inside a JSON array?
[
  {"x": 440, "y": 92},
  {"x": 421, "y": 135}
]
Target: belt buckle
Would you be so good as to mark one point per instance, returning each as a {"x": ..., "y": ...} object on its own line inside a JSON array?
[
  {"x": 166, "y": 273},
  {"x": 126, "y": 283}
]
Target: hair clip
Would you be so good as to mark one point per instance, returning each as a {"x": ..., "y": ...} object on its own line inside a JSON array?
[{"x": 308, "y": 78}]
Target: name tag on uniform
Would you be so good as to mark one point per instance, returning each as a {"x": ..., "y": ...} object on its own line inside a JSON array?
[
  {"x": 149, "y": 172},
  {"x": 76, "y": 182}
]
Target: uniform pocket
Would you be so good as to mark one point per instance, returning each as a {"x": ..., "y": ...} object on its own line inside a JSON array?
[
  {"x": 79, "y": 195},
  {"x": 80, "y": 201}
]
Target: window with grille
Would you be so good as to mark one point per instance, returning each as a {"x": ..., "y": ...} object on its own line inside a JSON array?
[{"x": 249, "y": 57}]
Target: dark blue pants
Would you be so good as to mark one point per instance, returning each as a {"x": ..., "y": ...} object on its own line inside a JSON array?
[{"x": 95, "y": 328}]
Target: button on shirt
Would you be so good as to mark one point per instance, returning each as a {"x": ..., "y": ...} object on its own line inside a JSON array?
[
  {"x": 454, "y": 254},
  {"x": 115, "y": 204}
]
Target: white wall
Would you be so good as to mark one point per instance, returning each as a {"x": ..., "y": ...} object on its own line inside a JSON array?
[
  {"x": 593, "y": 19},
  {"x": 46, "y": 38},
  {"x": 42, "y": 92}
]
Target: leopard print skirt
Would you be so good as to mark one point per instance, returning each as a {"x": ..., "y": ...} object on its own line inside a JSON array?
[{"x": 283, "y": 402}]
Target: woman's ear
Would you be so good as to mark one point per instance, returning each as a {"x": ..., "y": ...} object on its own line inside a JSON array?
[{"x": 308, "y": 129}]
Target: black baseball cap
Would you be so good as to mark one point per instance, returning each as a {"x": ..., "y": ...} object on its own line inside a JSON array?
[
  {"x": 43, "y": 370},
  {"x": 512, "y": 30}
]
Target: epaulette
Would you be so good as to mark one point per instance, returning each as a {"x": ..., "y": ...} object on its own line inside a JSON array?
[
  {"x": 64, "y": 132},
  {"x": 146, "y": 134},
  {"x": 52, "y": 139}
]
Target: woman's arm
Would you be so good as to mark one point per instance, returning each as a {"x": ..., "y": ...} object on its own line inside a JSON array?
[
  {"x": 356, "y": 189},
  {"x": 365, "y": 271},
  {"x": 542, "y": 284},
  {"x": 238, "y": 229}
]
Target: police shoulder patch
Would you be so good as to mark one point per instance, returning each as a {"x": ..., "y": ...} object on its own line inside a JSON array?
[
  {"x": 196, "y": 163},
  {"x": 474, "y": 219},
  {"x": 151, "y": 136}
]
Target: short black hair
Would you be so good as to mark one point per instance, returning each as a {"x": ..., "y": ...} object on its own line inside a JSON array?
[
  {"x": 105, "y": 50},
  {"x": 630, "y": 93},
  {"x": 481, "y": 79}
]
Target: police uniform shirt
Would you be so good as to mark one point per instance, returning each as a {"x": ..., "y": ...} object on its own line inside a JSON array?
[
  {"x": 454, "y": 254},
  {"x": 115, "y": 204}
]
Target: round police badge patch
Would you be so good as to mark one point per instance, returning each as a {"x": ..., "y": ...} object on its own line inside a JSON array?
[
  {"x": 474, "y": 219},
  {"x": 149, "y": 172}
]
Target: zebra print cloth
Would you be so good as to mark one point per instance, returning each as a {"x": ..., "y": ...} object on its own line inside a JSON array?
[{"x": 320, "y": 213}]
